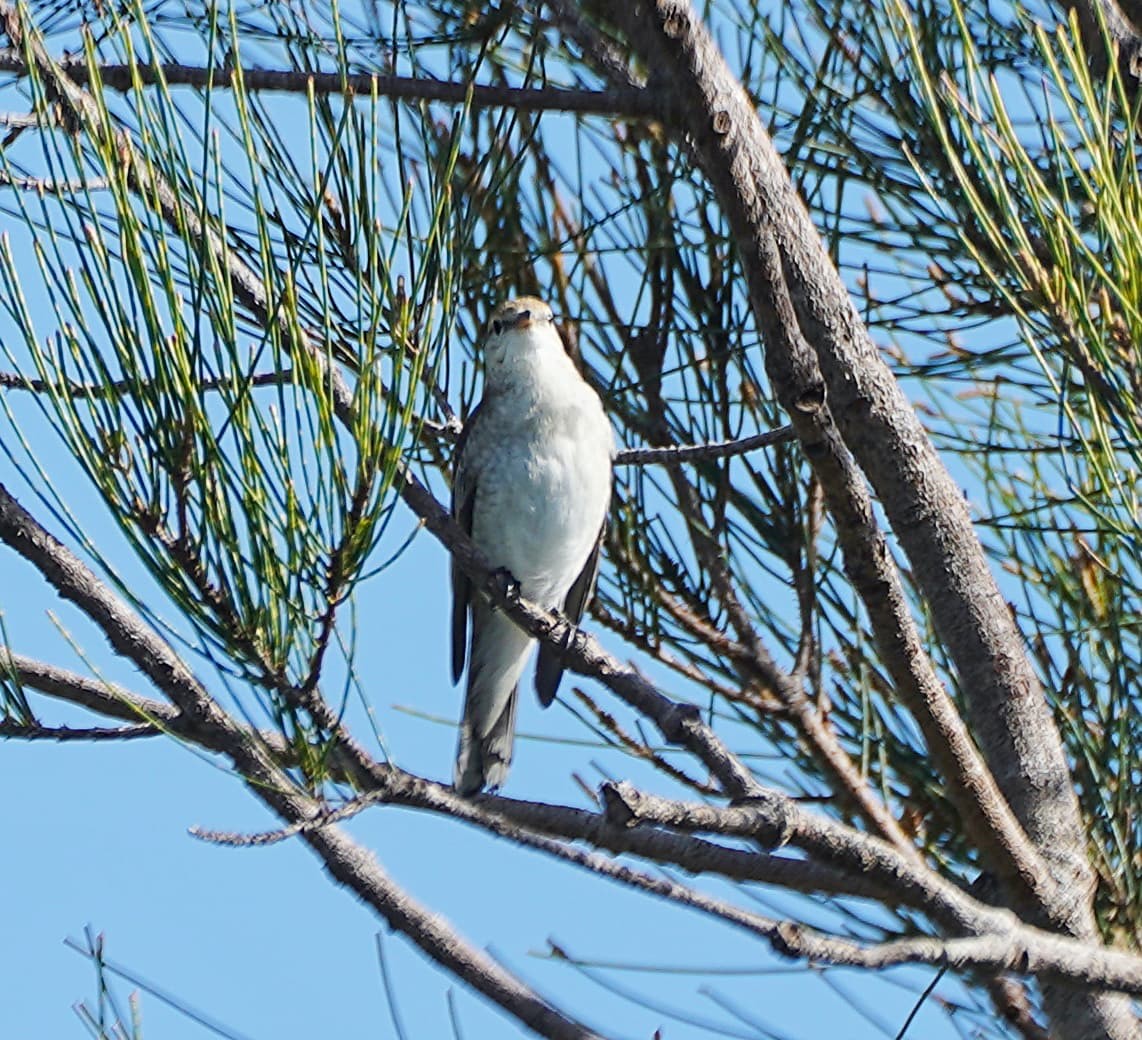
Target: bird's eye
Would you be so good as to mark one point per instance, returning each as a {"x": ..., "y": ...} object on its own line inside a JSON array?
[{"x": 497, "y": 326}]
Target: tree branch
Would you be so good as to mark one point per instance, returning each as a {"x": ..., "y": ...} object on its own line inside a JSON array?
[
  {"x": 870, "y": 567},
  {"x": 79, "y": 391},
  {"x": 999, "y": 941},
  {"x": 346, "y": 861},
  {"x": 636, "y": 102},
  {"x": 12, "y": 729},
  {"x": 676, "y": 453}
]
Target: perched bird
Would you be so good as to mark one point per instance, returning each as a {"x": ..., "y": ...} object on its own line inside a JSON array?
[{"x": 532, "y": 487}]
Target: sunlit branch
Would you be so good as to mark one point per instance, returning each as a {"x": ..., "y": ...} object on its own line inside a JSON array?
[
  {"x": 1002, "y": 944},
  {"x": 875, "y": 576},
  {"x": 78, "y": 391},
  {"x": 47, "y": 186},
  {"x": 107, "y": 699}
]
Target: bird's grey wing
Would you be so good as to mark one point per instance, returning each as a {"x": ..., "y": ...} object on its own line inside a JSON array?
[
  {"x": 463, "y": 502},
  {"x": 498, "y": 649},
  {"x": 549, "y": 668}
]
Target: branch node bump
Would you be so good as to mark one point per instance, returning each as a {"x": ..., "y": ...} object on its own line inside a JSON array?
[
  {"x": 675, "y": 722},
  {"x": 620, "y": 804},
  {"x": 811, "y": 399}
]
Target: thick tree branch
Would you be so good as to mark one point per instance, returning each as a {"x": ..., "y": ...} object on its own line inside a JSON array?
[
  {"x": 876, "y": 421},
  {"x": 870, "y": 567},
  {"x": 1009, "y": 715},
  {"x": 1000, "y": 942},
  {"x": 1112, "y": 22},
  {"x": 779, "y": 820}
]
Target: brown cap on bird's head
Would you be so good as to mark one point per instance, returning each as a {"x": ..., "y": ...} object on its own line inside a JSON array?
[{"x": 519, "y": 314}]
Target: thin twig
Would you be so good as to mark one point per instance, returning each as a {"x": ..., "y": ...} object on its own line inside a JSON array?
[
  {"x": 47, "y": 186},
  {"x": 702, "y": 452},
  {"x": 78, "y": 391},
  {"x": 637, "y": 102},
  {"x": 33, "y": 731}
]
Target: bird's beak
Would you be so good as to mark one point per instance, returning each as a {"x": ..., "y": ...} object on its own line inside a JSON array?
[{"x": 520, "y": 320}]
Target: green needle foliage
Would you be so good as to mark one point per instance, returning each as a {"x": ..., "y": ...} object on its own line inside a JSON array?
[{"x": 213, "y": 443}]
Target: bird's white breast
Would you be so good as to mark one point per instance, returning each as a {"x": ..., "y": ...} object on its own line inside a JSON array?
[{"x": 545, "y": 479}]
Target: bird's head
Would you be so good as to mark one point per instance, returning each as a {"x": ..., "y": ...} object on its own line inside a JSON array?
[
  {"x": 518, "y": 315},
  {"x": 519, "y": 330}
]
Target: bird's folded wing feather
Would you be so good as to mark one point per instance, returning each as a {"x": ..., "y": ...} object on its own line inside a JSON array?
[
  {"x": 464, "y": 481},
  {"x": 549, "y": 667}
]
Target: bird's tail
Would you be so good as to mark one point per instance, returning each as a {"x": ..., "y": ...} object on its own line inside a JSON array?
[{"x": 487, "y": 729}]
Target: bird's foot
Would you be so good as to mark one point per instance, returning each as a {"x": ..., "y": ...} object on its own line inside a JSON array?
[
  {"x": 504, "y": 582},
  {"x": 569, "y": 633}
]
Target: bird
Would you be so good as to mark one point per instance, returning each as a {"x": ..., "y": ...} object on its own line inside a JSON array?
[{"x": 532, "y": 488}]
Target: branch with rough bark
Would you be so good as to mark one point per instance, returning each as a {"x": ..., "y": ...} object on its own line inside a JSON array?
[{"x": 203, "y": 721}]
